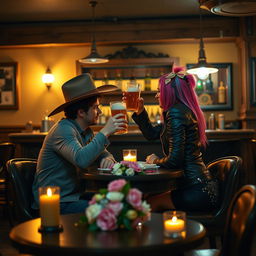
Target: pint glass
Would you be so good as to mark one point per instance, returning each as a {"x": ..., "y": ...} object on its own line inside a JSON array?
[
  {"x": 132, "y": 93},
  {"x": 118, "y": 107}
]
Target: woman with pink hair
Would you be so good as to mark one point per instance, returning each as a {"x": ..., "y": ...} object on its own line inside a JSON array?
[{"x": 182, "y": 133}]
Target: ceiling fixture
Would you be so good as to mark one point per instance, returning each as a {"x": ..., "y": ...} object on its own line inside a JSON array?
[
  {"x": 202, "y": 69},
  {"x": 93, "y": 57},
  {"x": 230, "y": 7}
]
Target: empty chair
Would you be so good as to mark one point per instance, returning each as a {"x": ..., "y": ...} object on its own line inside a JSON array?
[
  {"x": 21, "y": 172},
  {"x": 7, "y": 150},
  {"x": 227, "y": 171},
  {"x": 240, "y": 226}
]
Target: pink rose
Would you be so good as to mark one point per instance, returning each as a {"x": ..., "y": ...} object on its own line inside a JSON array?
[
  {"x": 116, "y": 185},
  {"x": 134, "y": 198},
  {"x": 115, "y": 206},
  {"x": 106, "y": 220}
]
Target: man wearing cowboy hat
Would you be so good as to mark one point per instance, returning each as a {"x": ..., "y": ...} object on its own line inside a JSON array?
[{"x": 71, "y": 145}]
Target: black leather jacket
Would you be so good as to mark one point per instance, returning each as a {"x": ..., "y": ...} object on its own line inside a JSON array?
[{"x": 180, "y": 142}]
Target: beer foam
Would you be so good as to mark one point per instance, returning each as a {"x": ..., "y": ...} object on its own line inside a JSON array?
[
  {"x": 117, "y": 106},
  {"x": 133, "y": 89}
]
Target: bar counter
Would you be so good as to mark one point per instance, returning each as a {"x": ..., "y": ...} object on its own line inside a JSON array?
[{"x": 221, "y": 143}]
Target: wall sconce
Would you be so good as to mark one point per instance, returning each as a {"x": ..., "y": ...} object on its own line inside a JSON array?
[{"x": 48, "y": 78}]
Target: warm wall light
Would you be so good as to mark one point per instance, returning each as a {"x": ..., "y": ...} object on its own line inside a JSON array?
[
  {"x": 48, "y": 78},
  {"x": 202, "y": 69},
  {"x": 93, "y": 57}
]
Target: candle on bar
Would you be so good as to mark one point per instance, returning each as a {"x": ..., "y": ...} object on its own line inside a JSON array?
[
  {"x": 130, "y": 155},
  {"x": 174, "y": 223},
  {"x": 49, "y": 199}
]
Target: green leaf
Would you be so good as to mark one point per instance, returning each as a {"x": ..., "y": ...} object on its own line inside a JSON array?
[
  {"x": 93, "y": 227},
  {"x": 83, "y": 219},
  {"x": 126, "y": 188},
  {"x": 127, "y": 224},
  {"x": 103, "y": 191}
]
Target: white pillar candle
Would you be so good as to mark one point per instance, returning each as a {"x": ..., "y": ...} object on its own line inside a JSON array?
[{"x": 49, "y": 199}]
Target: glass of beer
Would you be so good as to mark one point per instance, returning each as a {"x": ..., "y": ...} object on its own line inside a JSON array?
[
  {"x": 118, "y": 107},
  {"x": 132, "y": 93}
]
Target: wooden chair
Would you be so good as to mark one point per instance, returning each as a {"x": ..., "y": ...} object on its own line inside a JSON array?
[
  {"x": 227, "y": 171},
  {"x": 21, "y": 172},
  {"x": 240, "y": 226}
]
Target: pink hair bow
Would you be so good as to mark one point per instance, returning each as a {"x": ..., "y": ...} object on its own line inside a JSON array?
[{"x": 172, "y": 75}]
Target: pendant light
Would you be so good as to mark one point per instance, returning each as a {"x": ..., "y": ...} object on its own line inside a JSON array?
[
  {"x": 202, "y": 69},
  {"x": 93, "y": 57}
]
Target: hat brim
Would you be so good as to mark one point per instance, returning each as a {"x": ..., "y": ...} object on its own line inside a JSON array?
[{"x": 104, "y": 89}]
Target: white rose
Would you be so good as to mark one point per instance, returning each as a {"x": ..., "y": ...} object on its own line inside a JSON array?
[
  {"x": 115, "y": 196},
  {"x": 145, "y": 207},
  {"x": 129, "y": 172},
  {"x": 116, "y": 166},
  {"x": 92, "y": 212},
  {"x": 118, "y": 172}
]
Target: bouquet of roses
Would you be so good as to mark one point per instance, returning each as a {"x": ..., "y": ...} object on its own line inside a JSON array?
[
  {"x": 118, "y": 206},
  {"x": 127, "y": 168}
]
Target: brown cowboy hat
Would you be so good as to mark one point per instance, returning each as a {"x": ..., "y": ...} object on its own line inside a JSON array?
[{"x": 79, "y": 88}]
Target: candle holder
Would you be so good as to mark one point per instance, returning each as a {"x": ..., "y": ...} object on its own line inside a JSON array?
[
  {"x": 49, "y": 200},
  {"x": 130, "y": 155},
  {"x": 174, "y": 224}
]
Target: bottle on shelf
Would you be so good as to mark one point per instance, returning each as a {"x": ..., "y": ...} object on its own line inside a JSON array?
[
  {"x": 199, "y": 87},
  {"x": 212, "y": 122},
  {"x": 147, "y": 82},
  {"x": 105, "y": 79},
  {"x": 133, "y": 79},
  {"x": 102, "y": 118},
  {"x": 158, "y": 117},
  {"x": 209, "y": 85},
  {"x": 118, "y": 80},
  {"x": 152, "y": 116},
  {"x": 222, "y": 93}
]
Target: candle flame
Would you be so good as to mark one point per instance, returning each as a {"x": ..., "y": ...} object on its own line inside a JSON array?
[
  {"x": 174, "y": 219},
  {"x": 49, "y": 192}
]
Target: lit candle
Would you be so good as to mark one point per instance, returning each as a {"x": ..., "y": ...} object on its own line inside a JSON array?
[
  {"x": 49, "y": 206},
  {"x": 174, "y": 225},
  {"x": 130, "y": 157}
]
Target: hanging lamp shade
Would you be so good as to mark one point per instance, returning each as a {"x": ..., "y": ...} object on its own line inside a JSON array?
[
  {"x": 94, "y": 57},
  {"x": 202, "y": 69}
]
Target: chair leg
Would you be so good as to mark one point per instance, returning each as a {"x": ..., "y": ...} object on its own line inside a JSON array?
[{"x": 212, "y": 241}]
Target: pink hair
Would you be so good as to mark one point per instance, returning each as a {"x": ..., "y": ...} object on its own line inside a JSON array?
[{"x": 182, "y": 90}]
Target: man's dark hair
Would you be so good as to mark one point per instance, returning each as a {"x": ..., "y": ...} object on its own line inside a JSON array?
[{"x": 71, "y": 110}]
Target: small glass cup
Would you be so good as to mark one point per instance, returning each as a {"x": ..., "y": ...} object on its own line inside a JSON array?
[
  {"x": 49, "y": 200},
  {"x": 174, "y": 223},
  {"x": 130, "y": 155},
  {"x": 132, "y": 94},
  {"x": 118, "y": 107}
]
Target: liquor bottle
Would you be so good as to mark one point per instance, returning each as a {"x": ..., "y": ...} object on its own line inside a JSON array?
[
  {"x": 212, "y": 122},
  {"x": 119, "y": 81},
  {"x": 152, "y": 117},
  {"x": 199, "y": 87},
  {"x": 221, "y": 93},
  {"x": 209, "y": 85},
  {"x": 158, "y": 117},
  {"x": 105, "y": 79},
  {"x": 147, "y": 82}
]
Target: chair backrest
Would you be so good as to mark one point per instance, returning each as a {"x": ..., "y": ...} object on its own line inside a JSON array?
[
  {"x": 7, "y": 150},
  {"x": 227, "y": 171},
  {"x": 21, "y": 172},
  {"x": 241, "y": 223}
]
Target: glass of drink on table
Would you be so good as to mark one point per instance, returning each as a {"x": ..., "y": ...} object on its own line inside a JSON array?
[
  {"x": 118, "y": 107},
  {"x": 131, "y": 93}
]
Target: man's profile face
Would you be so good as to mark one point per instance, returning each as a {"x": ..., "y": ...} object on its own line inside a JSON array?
[{"x": 93, "y": 113}]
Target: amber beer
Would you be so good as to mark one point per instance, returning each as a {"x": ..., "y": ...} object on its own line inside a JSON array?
[
  {"x": 117, "y": 108},
  {"x": 132, "y": 93}
]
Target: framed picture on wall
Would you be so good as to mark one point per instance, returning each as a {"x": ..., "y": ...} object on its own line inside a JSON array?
[
  {"x": 215, "y": 91},
  {"x": 8, "y": 86},
  {"x": 253, "y": 80}
]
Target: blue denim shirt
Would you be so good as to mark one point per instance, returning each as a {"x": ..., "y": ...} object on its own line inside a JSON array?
[{"x": 66, "y": 150}]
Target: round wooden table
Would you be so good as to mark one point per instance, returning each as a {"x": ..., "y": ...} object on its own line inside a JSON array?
[
  {"x": 159, "y": 181},
  {"x": 147, "y": 240}
]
